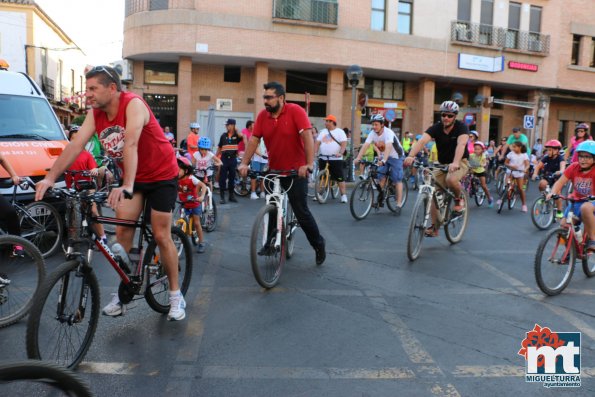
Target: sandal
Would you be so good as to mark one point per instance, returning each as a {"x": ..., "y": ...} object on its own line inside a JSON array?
[{"x": 431, "y": 232}]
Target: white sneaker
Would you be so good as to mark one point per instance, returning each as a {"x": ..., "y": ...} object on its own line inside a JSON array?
[
  {"x": 253, "y": 196},
  {"x": 177, "y": 308},
  {"x": 263, "y": 195},
  {"x": 114, "y": 308},
  {"x": 344, "y": 198}
]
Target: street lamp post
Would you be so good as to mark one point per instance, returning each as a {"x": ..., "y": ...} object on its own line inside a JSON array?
[{"x": 354, "y": 73}]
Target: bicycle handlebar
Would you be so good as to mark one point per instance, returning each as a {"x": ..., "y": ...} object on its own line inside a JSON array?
[{"x": 572, "y": 199}]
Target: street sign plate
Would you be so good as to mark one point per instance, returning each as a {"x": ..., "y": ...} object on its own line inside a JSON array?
[
  {"x": 529, "y": 122},
  {"x": 390, "y": 115}
]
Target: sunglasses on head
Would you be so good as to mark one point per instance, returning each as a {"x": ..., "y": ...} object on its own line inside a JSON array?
[
  {"x": 103, "y": 69},
  {"x": 447, "y": 115}
]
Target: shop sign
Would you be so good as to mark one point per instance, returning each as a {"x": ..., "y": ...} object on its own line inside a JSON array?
[
  {"x": 481, "y": 63},
  {"x": 384, "y": 104},
  {"x": 529, "y": 67}
]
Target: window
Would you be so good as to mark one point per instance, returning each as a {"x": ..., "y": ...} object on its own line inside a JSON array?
[
  {"x": 562, "y": 132},
  {"x": 232, "y": 74},
  {"x": 535, "y": 19},
  {"x": 158, "y": 5},
  {"x": 405, "y": 16},
  {"x": 514, "y": 24},
  {"x": 300, "y": 82},
  {"x": 592, "y": 63},
  {"x": 385, "y": 89},
  {"x": 486, "y": 20},
  {"x": 464, "y": 10},
  {"x": 576, "y": 45},
  {"x": 378, "y": 15},
  {"x": 161, "y": 73}
]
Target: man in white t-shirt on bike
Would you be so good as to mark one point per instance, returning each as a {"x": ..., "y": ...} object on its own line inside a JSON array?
[
  {"x": 392, "y": 156},
  {"x": 330, "y": 146}
]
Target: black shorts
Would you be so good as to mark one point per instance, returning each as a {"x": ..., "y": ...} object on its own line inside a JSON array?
[
  {"x": 335, "y": 168},
  {"x": 479, "y": 174},
  {"x": 161, "y": 195}
]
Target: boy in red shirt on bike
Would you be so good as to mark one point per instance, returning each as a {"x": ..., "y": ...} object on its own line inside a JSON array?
[{"x": 191, "y": 192}]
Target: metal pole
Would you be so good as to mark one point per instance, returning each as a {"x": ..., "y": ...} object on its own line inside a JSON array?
[{"x": 350, "y": 176}]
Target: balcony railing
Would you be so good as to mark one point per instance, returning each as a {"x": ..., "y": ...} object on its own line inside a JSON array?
[
  {"x": 499, "y": 38},
  {"x": 315, "y": 11},
  {"x": 47, "y": 86}
]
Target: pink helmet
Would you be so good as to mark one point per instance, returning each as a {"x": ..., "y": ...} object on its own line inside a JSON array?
[
  {"x": 554, "y": 143},
  {"x": 480, "y": 143}
]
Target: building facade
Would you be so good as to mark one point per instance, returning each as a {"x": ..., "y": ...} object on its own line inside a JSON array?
[
  {"x": 501, "y": 60},
  {"x": 32, "y": 43}
]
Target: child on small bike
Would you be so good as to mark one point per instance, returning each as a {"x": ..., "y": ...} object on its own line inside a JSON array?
[
  {"x": 205, "y": 158},
  {"x": 518, "y": 163},
  {"x": 582, "y": 175},
  {"x": 551, "y": 166},
  {"x": 191, "y": 192},
  {"x": 478, "y": 162}
]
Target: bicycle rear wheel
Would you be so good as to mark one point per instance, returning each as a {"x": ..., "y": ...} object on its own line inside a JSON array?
[
  {"x": 322, "y": 187},
  {"x": 43, "y": 227},
  {"x": 21, "y": 275},
  {"x": 554, "y": 262},
  {"x": 36, "y": 378},
  {"x": 417, "y": 226},
  {"x": 266, "y": 258},
  {"x": 542, "y": 213},
  {"x": 457, "y": 224},
  {"x": 241, "y": 186},
  {"x": 360, "y": 201},
  {"x": 157, "y": 292},
  {"x": 64, "y": 316}
]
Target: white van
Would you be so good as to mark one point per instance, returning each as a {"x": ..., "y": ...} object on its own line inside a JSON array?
[{"x": 31, "y": 137}]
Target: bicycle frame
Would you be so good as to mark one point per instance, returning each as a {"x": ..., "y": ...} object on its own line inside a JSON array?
[
  {"x": 571, "y": 238},
  {"x": 278, "y": 198},
  {"x": 430, "y": 186}
]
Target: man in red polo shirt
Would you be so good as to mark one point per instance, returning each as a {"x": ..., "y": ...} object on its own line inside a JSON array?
[{"x": 287, "y": 134}]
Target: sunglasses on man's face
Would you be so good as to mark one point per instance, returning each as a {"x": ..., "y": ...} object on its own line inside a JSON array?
[{"x": 447, "y": 115}]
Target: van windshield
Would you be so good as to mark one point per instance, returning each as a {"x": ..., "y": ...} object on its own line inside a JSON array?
[{"x": 27, "y": 118}]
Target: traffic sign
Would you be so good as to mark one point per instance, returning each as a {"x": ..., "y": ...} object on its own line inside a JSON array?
[
  {"x": 528, "y": 122},
  {"x": 469, "y": 119},
  {"x": 390, "y": 115}
]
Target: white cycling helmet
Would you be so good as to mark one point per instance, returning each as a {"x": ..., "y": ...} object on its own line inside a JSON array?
[
  {"x": 377, "y": 117},
  {"x": 194, "y": 125},
  {"x": 450, "y": 107}
]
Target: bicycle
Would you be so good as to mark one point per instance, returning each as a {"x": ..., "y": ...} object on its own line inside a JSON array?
[
  {"x": 363, "y": 199},
  {"x": 36, "y": 378},
  {"x": 40, "y": 222},
  {"x": 557, "y": 253},
  {"x": 472, "y": 185},
  {"x": 64, "y": 317},
  {"x": 543, "y": 209},
  {"x": 431, "y": 191},
  {"x": 21, "y": 275},
  {"x": 312, "y": 180},
  {"x": 324, "y": 184},
  {"x": 510, "y": 194},
  {"x": 273, "y": 232}
]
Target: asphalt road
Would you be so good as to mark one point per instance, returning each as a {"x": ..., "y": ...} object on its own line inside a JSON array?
[{"x": 365, "y": 323}]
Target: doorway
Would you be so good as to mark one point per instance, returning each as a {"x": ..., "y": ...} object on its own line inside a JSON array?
[
  {"x": 165, "y": 109},
  {"x": 494, "y": 130}
]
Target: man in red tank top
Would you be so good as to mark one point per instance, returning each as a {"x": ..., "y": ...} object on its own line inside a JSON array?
[{"x": 130, "y": 133}]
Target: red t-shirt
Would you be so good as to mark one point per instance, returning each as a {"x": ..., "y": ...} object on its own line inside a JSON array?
[
  {"x": 192, "y": 140},
  {"x": 84, "y": 162},
  {"x": 582, "y": 181},
  {"x": 187, "y": 188},
  {"x": 156, "y": 157},
  {"x": 282, "y": 136},
  {"x": 246, "y": 132}
]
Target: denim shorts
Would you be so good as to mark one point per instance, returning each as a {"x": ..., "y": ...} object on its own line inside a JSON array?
[
  {"x": 396, "y": 169},
  {"x": 193, "y": 211},
  {"x": 257, "y": 166}
]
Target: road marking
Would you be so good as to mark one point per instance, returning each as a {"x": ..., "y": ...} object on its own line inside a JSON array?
[
  {"x": 235, "y": 373},
  {"x": 492, "y": 371},
  {"x": 111, "y": 368}
]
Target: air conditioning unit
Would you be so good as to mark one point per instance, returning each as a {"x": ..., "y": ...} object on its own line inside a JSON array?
[{"x": 124, "y": 69}]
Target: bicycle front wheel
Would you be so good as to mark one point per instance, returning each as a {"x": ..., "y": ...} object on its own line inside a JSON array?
[
  {"x": 209, "y": 217},
  {"x": 267, "y": 255},
  {"x": 457, "y": 224},
  {"x": 512, "y": 198},
  {"x": 503, "y": 199},
  {"x": 43, "y": 227},
  {"x": 417, "y": 226},
  {"x": 554, "y": 262},
  {"x": 291, "y": 225},
  {"x": 360, "y": 201},
  {"x": 21, "y": 275},
  {"x": 501, "y": 183},
  {"x": 334, "y": 188},
  {"x": 64, "y": 316},
  {"x": 479, "y": 195},
  {"x": 322, "y": 187},
  {"x": 542, "y": 213},
  {"x": 157, "y": 292},
  {"x": 36, "y": 378}
]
